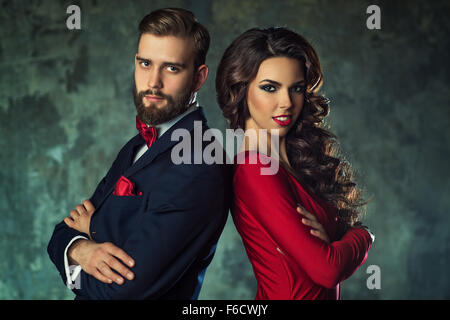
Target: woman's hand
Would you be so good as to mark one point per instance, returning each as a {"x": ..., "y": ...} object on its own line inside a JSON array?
[
  {"x": 80, "y": 218},
  {"x": 359, "y": 224},
  {"x": 311, "y": 221}
]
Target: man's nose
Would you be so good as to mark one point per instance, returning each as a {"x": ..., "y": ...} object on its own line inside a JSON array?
[{"x": 154, "y": 79}]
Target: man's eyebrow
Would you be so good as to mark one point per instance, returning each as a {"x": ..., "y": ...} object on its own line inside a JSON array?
[
  {"x": 279, "y": 84},
  {"x": 141, "y": 59},
  {"x": 166, "y": 63},
  {"x": 176, "y": 64}
]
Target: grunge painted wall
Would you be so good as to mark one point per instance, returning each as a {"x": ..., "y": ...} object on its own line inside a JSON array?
[{"x": 66, "y": 108}]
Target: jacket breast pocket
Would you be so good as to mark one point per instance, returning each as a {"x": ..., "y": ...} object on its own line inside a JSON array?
[{"x": 130, "y": 202}]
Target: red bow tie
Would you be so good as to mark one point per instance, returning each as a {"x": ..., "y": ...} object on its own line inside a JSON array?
[{"x": 149, "y": 134}]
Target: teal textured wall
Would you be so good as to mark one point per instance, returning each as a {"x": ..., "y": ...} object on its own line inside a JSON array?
[{"x": 66, "y": 109}]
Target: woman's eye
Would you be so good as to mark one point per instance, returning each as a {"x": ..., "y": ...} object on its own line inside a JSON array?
[
  {"x": 298, "y": 89},
  {"x": 268, "y": 88}
]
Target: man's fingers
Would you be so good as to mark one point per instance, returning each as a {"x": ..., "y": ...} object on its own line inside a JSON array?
[
  {"x": 69, "y": 221},
  {"x": 89, "y": 206},
  {"x": 108, "y": 273},
  {"x": 99, "y": 276},
  {"x": 74, "y": 214},
  {"x": 119, "y": 267},
  {"x": 119, "y": 253},
  {"x": 81, "y": 209}
]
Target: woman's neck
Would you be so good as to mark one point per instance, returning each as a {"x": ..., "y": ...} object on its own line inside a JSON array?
[{"x": 274, "y": 147}]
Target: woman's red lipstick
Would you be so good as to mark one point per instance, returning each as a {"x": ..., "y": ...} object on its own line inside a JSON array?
[{"x": 283, "y": 120}]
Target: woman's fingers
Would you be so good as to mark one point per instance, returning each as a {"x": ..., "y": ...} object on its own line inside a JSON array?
[
  {"x": 320, "y": 234},
  {"x": 311, "y": 221},
  {"x": 304, "y": 212}
]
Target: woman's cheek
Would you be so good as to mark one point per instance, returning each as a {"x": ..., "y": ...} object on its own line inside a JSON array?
[{"x": 263, "y": 104}]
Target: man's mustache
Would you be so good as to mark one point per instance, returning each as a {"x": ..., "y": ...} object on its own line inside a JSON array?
[{"x": 153, "y": 93}]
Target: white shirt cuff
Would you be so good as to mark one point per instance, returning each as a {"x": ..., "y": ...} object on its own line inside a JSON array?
[{"x": 73, "y": 271}]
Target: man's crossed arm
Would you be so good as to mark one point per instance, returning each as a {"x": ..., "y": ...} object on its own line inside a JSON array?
[{"x": 99, "y": 260}]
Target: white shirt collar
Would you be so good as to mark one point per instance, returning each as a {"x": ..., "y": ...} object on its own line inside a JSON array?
[{"x": 163, "y": 127}]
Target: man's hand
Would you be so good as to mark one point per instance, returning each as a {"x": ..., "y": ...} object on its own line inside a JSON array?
[
  {"x": 80, "y": 218},
  {"x": 311, "y": 220},
  {"x": 100, "y": 259}
]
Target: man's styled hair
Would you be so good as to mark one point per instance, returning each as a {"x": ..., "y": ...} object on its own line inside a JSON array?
[{"x": 180, "y": 23}]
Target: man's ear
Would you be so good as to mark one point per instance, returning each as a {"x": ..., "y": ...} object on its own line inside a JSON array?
[{"x": 200, "y": 77}]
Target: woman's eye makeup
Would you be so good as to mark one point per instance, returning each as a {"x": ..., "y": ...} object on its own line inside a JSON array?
[
  {"x": 271, "y": 88},
  {"x": 268, "y": 88},
  {"x": 298, "y": 89}
]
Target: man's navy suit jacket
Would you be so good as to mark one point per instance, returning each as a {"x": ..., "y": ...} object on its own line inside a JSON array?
[{"x": 171, "y": 230}]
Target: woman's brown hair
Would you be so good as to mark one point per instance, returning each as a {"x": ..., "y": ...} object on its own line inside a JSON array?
[{"x": 313, "y": 151}]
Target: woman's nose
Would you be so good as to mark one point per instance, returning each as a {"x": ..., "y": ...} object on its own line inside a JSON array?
[{"x": 285, "y": 100}]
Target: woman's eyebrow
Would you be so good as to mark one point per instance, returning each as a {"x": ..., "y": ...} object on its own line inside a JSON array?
[
  {"x": 279, "y": 84},
  {"x": 271, "y": 81}
]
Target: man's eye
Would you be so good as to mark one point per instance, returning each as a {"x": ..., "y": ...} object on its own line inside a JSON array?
[
  {"x": 172, "y": 69},
  {"x": 145, "y": 63},
  {"x": 268, "y": 88}
]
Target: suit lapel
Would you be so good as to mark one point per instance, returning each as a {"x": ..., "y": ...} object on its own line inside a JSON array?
[
  {"x": 164, "y": 142},
  {"x": 160, "y": 145}
]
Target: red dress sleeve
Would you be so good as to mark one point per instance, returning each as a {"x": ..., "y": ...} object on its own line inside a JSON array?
[{"x": 271, "y": 201}]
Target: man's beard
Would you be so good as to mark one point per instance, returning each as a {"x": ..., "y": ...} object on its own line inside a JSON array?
[{"x": 151, "y": 114}]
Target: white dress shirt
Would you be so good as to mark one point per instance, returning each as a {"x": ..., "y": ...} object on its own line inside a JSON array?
[{"x": 73, "y": 271}]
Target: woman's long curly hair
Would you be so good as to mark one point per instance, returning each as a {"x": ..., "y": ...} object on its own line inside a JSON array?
[{"x": 312, "y": 150}]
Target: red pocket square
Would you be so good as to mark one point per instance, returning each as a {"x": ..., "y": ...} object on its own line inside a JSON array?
[{"x": 124, "y": 187}]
